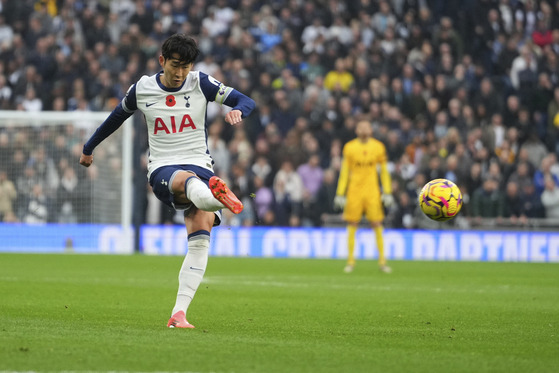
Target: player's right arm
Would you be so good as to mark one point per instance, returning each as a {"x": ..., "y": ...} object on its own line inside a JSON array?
[
  {"x": 121, "y": 112},
  {"x": 343, "y": 180},
  {"x": 386, "y": 181}
]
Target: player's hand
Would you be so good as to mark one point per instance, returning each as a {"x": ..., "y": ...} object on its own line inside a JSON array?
[
  {"x": 387, "y": 200},
  {"x": 339, "y": 202},
  {"x": 86, "y": 160},
  {"x": 234, "y": 117}
]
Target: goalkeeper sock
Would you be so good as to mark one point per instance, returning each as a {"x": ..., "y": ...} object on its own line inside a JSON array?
[
  {"x": 200, "y": 195},
  {"x": 380, "y": 245},
  {"x": 193, "y": 269},
  {"x": 351, "y": 231}
]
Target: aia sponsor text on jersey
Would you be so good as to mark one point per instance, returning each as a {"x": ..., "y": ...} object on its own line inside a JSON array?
[{"x": 171, "y": 125}]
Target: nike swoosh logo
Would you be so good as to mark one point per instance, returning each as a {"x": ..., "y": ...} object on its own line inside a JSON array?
[
  {"x": 196, "y": 269},
  {"x": 148, "y": 105}
]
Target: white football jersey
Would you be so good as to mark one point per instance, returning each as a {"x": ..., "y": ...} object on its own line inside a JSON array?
[{"x": 176, "y": 118}]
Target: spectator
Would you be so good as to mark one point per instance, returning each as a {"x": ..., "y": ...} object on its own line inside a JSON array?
[
  {"x": 8, "y": 196},
  {"x": 218, "y": 148},
  {"x": 31, "y": 102},
  {"x": 311, "y": 175},
  {"x": 143, "y": 18},
  {"x": 522, "y": 176},
  {"x": 340, "y": 79},
  {"x": 5, "y": 93},
  {"x": 45, "y": 169},
  {"x": 543, "y": 172},
  {"x": 314, "y": 36},
  {"x": 288, "y": 190},
  {"x": 383, "y": 18},
  {"x": 550, "y": 198},
  {"x": 239, "y": 146},
  {"x": 263, "y": 201},
  {"x": 403, "y": 218},
  {"x": 36, "y": 206},
  {"x": 525, "y": 60},
  {"x": 489, "y": 97},
  {"x": 6, "y": 34},
  {"x": 494, "y": 133},
  {"x": 487, "y": 201},
  {"x": 553, "y": 122},
  {"x": 542, "y": 34},
  {"x": 67, "y": 197},
  {"x": 535, "y": 149},
  {"x": 531, "y": 202},
  {"x": 283, "y": 115},
  {"x": 513, "y": 204},
  {"x": 511, "y": 111},
  {"x": 325, "y": 195}
]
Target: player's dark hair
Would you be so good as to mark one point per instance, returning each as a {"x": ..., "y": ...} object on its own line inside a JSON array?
[{"x": 180, "y": 44}]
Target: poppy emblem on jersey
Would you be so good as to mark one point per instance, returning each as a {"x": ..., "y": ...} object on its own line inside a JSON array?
[
  {"x": 187, "y": 103},
  {"x": 170, "y": 100}
]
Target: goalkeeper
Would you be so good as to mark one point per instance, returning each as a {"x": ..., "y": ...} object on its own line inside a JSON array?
[{"x": 358, "y": 191}]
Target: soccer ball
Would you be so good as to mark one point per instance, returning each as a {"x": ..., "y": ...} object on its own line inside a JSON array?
[{"x": 440, "y": 199}]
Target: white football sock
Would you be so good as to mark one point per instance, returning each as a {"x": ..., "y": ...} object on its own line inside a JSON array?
[
  {"x": 193, "y": 269},
  {"x": 201, "y": 195}
]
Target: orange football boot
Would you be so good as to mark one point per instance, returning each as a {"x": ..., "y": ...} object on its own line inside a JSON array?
[
  {"x": 225, "y": 195},
  {"x": 178, "y": 320}
]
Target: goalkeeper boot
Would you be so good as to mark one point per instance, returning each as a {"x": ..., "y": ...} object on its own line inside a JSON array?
[
  {"x": 385, "y": 269},
  {"x": 349, "y": 268},
  {"x": 178, "y": 320},
  {"x": 225, "y": 195}
]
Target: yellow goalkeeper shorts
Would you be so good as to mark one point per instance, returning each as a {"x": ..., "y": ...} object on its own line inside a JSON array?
[{"x": 359, "y": 205}]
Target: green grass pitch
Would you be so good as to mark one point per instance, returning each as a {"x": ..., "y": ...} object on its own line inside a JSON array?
[{"x": 109, "y": 313}]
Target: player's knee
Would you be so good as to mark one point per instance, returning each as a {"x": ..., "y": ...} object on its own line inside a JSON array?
[
  {"x": 199, "y": 220},
  {"x": 180, "y": 178},
  {"x": 190, "y": 211}
]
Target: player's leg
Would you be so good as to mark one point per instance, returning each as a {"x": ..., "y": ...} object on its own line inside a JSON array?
[
  {"x": 199, "y": 224},
  {"x": 375, "y": 215},
  {"x": 379, "y": 237},
  {"x": 187, "y": 186},
  {"x": 179, "y": 186},
  {"x": 351, "y": 232},
  {"x": 353, "y": 212}
]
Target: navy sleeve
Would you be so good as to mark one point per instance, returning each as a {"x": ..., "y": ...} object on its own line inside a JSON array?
[
  {"x": 218, "y": 92},
  {"x": 111, "y": 124},
  {"x": 130, "y": 103},
  {"x": 239, "y": 101},
  {"x": 209, "y": 85}
]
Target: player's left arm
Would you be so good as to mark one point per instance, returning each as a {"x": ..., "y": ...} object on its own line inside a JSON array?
[
  {"x": 121, "y": 112},
  {"x": 216, "y": 91},
  {"x": 385, "y": 179}
]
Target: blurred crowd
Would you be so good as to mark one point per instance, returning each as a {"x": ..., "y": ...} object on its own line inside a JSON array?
[{"x": 460, "y": 89}]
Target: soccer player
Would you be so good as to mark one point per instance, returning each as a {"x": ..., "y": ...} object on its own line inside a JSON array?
[
  {"x": 180, "y": 168},
  {"x": 358, "y": 191}
]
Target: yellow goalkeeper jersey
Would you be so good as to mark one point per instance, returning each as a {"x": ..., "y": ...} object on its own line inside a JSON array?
[{"x": 359, "y": 172}]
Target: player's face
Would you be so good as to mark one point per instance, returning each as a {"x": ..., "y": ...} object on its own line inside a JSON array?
[
  {"x": 174, "y": 71},
  {"x": 364, "y": 130}
]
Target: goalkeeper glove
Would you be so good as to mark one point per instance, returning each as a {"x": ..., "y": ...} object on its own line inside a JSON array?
[
  {"x": 339, "y": 202},
  {"x": 387, "y": 200}
]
